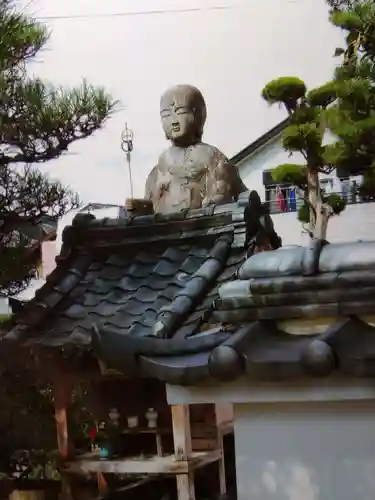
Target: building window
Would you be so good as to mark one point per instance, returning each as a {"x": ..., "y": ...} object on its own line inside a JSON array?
[
  {"x": 327, "y": 185},
  {"x": 285, "y": 197},
  {"x": 282, "y": 198}
]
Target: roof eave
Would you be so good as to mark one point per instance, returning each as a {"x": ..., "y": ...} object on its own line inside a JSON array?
[{"x": 262, "y": 141}]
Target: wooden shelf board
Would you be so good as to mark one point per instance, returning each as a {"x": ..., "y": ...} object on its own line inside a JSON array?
[
  {"x": 197, "y": 430},
  {"x": 90, "y": 463},
  {"x": 145, "y": 430}
]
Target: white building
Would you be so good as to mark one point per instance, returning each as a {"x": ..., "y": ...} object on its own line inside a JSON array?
[{"x": 357, "y": 221}]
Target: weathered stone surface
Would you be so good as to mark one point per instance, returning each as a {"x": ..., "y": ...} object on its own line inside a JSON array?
[{"x": 190, "y": 173}]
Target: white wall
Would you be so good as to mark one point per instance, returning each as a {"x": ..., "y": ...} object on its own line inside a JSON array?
[
  {"x": 272, "y": 155},
  {"x": 4, "y": 306},
  {"x": 357, "y": 222},
  {"x": 305, "y": 451},
  {"x": 301, "y": 440},
  {"x": 269, "y": 156}
]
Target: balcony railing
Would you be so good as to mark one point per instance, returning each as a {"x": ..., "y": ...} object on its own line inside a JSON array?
[{"x": 285, "y": 206}]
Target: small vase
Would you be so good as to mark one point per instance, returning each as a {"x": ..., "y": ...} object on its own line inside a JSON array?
[
  {"x": 114, "y": 416},
  {"x": 152, "y": 417},
  {"x": 133, "y": 422},
  {"x": 106, "y": 450}
]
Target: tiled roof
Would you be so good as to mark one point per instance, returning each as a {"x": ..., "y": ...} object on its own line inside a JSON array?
[
  {"x": 146, "y": 282},
  {"x": 330, "y": 287},
  {"x": 321, "y": 292},
  {"x": 176, "y": 298},
  {"x": 127, "y": 292}
]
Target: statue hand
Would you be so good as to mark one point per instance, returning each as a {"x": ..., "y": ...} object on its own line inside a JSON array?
[
  {"x": 141, "y": 206},
  {"x": 130, "y": 204}
]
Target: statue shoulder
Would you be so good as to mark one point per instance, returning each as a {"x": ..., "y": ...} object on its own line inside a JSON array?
[
  {"x": 153, "y": 174},
  {"x": 151, "y": 182},
  {"x": 162, "y": 157},
  {"x": 221, "y": 158},
  {"x": 222, "y": 170},
  {"x": 214, "y": 153}
]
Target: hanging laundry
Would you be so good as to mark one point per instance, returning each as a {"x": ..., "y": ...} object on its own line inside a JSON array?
[
  {"x": 280, "y": 200},
  {"x": 292, "y": 200}
]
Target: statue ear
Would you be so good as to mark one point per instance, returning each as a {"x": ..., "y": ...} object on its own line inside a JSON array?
[{"x": 200, "y": 119}]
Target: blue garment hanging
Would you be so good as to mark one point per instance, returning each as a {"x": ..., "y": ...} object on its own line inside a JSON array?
[{"x": 292, "y": 200}]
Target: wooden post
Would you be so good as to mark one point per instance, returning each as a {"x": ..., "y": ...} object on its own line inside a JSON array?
[
  {"x": 159, "y": 444},
  {"x": 220, "y": 446},
  {"x": 62, "y": 393},
  {"x": 62, "y": 387},
  {"x": 182, "y": 449}
]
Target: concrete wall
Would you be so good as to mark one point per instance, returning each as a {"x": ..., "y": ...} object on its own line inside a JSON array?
[
  {"x": 305, "y": 451},
  {"x": 306, "y": 440},
  {"x": 357, "y": 222},
  {"x": 4, "y": 306},
  {"x": 48, "y": 258}
]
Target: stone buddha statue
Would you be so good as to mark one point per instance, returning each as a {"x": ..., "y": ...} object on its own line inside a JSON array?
[{"x": 190, "y": 173}]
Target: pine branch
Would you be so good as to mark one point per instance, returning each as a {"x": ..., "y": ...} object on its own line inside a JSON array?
[
  {"x": 38, "y": 122},
  {"x": 21, "y": 37}
]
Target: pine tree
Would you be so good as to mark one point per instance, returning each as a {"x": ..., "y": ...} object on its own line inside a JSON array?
[
  {"x": 340, "y": 4},
  {"x": 352, "y": 118},
  {"x": 37, "y": 123},
  {"x": 305, "y": 134},
  {"x": 344, "y": 106}
]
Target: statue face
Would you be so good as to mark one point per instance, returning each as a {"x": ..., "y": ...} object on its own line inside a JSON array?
[
  {"x": 178, "y": 122},
  {"x": 181, "y": 116}
]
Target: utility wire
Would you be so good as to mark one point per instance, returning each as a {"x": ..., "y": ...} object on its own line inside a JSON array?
[{"x": 143, "y": 13}]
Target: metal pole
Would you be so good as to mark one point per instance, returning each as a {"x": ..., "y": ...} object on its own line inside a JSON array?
[{"x": 127, "y": 137}]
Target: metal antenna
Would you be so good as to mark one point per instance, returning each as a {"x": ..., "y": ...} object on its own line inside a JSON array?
[{"x": 127, "y": 137}]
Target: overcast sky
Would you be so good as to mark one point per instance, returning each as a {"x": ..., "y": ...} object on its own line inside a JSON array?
[{"x": 229, "y": 54}]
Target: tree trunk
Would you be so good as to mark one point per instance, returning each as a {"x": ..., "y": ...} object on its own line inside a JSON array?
[
  {"x": 321, "y": 226},
  {"x": 319, "y": 212}
]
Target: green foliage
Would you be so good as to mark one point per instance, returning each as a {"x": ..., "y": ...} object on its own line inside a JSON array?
[
  {"x": 355, "y": 95},
  {"x": 21, "y": 37},
  {"x": 352, "y": 118},
  {"x": 304, "y": 137},
  {"x": 48, "y": 119},
  {"x": 26, "y": 411},
  {"x": 334, "y": 154},
  {"x": 323, "y": 95},
  {"x": 305, "y": 113},
  {"x": 290, "y": 173},
  {"x": 27, "y": 422},
  {"x": 37, "y": 123},
  {"x": 336, "y": 202},
  {"x": 367, "y": 189},
  {"x": 347, "y": 20},
  {"x": 305, "y": 133},
  {"x": 303, "y": 213},
  {"x": 287, "y": 90},
  {"x": 345, "y": 106}
]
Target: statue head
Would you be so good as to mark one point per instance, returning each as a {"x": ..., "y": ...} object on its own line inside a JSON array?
[{"x": 183, "y": 115}]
